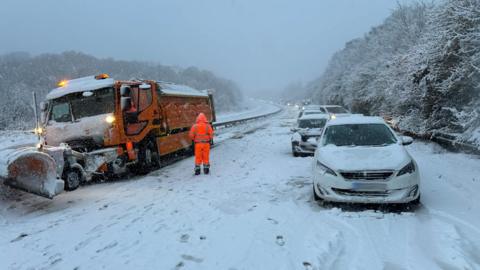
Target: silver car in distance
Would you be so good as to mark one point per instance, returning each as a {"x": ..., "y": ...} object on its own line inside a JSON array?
[{"x": 360, "y": 159}]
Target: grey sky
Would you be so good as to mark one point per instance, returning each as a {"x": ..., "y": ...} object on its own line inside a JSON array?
[{"x": 261, "y": 44}]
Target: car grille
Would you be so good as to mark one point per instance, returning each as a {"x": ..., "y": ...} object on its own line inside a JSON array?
[
  {"x": 367, "y": 175},
  {"x": 350, "y": 192}
]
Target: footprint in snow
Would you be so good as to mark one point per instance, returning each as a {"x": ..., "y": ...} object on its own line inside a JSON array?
[
  {"x": 20, "y": 237},
  {"x": 191, "y": 258},
  {"x": 184, "y": 238},
  {"x": 280, "y": 241},
  {"x": 275, "y": 222},
  {"x": 308, "y": 266},
  {"x": 179, "y": 265}
]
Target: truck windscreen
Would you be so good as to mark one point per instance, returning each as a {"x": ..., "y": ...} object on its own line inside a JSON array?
[{"x": 100, "y": 101}]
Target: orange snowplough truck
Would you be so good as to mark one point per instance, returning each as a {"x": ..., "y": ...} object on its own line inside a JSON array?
[{"x": 106, "y": 127}]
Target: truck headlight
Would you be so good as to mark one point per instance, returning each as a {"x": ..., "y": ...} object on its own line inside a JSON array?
[
  {"x": 38, "y": 131},
  {"x": 110, "y": 119},
  {"x": 324, "y": 169},
  {"x": 409, "y": 168}
]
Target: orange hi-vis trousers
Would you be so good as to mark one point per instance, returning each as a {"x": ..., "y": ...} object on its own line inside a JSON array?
[{"x": 202, "y": 154}]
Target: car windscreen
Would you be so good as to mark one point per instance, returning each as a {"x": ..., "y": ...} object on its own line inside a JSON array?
[
  {"x": 101, "y": 101},
  {"x": 312, "y": 123},
  {"x": 336, "y": 110},
  {"x": 358, "y": 135}
]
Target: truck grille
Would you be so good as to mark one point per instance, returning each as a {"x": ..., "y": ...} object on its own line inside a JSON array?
[
  {"x": 84, "y": 144},
  {"x": 367, "y": 175}
]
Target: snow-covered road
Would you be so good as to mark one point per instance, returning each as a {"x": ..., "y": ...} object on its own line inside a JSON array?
[{"x": 255, "y": 211}]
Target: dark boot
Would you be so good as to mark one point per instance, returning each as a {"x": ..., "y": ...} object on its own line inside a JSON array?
[
  {"x": 197, "y": 170},
  {"x": 206, "y": 169}
]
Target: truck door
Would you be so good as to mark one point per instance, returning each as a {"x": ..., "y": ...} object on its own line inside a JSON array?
[{"x": 135, "y": 100}]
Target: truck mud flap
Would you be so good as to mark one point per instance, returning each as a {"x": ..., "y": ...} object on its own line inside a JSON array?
[{"x": 30, "y": 170}]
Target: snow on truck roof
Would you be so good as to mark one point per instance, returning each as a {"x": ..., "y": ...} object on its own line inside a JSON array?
[
  {"x": 80, "y": 85},
  {"x": 177, "y": 89},
  {"x": 356, "y": 119},
  {"x": 91, "y": 83}
]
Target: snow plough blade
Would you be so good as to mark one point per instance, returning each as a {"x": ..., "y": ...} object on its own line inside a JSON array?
[{"x": 30, "y": 170}]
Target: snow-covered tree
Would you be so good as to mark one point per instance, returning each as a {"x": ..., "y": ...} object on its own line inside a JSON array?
[{"x": 421, "y": 65}]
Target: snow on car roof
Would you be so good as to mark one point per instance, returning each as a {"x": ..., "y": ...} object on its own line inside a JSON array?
[
  {"x": 88, "y": 83},
  {"x": 311, "y": 111},
  {"x": 355, "y": 119},
  {"x": 314, "y": 116},
  {"x": 177, "y": 89}
]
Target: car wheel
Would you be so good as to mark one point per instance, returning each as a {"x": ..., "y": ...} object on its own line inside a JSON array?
[
  {"x": 416, "y": 202},
  {"x": 295, "y": 153},
  {"x": 315, "y": 196}
]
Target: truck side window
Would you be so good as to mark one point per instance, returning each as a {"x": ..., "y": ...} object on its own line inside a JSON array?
[
  {"x": 61, "y": 112},
  {"x": 145, "y": 99},
  {"x": 141, "y": 99}
]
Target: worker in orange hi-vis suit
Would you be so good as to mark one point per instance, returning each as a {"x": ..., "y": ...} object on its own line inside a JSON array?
[{"x": 201, "y": 134}]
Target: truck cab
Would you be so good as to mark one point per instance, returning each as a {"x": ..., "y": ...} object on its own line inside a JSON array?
[{"x": 122, "y": 122}]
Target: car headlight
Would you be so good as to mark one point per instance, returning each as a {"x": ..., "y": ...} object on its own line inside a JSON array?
[
  {"x": 324, "y": 169},
  {"x": 409, "y": 168}
]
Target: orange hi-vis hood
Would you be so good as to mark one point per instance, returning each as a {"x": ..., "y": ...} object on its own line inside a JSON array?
[{"x": 201, "y": 118}]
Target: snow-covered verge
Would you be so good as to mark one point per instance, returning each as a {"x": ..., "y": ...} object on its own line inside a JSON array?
[
  {"x": 421, "y": 66},
  {"x": 255, "y": 211}
]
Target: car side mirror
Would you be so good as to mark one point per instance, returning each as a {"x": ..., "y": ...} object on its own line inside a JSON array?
[
  {"x": 126, "y": 103},
  {"x": 125, "y": 90},
  {"x": 407, "y": 140},
  {"x": 294, "y": 129}
]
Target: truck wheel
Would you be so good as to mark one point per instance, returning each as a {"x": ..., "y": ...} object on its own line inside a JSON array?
[
  {"x": 148, "y": 158},
  {"x": 72, "y": 180}
]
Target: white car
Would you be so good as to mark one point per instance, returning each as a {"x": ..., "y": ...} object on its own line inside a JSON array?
[
  {"x": 333, "y": 111},
  {"x": 309, "y": 128},
  {"x": 360, "y": 159},
  {"x": 310, "y": 112}
]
